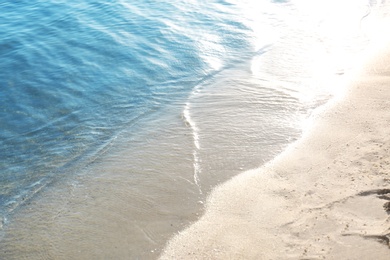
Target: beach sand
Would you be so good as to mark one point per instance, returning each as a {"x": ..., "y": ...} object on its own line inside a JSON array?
[{"x": 326, "y": 197}]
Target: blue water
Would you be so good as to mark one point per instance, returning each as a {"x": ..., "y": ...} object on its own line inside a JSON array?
[
  {"x": 238, "y": 76},
  {"x": 74, "y": 73}
]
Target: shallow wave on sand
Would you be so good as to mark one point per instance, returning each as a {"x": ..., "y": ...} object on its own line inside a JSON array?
[{"x": 326, "y": 196}]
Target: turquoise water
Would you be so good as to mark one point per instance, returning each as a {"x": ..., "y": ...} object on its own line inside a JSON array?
[
  {"x": 75, "y": 73},
  {"x": 183, "y": 95}
]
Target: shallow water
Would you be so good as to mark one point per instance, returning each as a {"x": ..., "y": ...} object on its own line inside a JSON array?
[{"x": 117, "y": 119}]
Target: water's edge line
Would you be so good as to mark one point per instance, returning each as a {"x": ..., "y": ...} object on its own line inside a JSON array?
[{"x": 367, "y": 57}]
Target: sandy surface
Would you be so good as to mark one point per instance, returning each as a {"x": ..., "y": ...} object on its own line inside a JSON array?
[{"x": 326, "y": 197}]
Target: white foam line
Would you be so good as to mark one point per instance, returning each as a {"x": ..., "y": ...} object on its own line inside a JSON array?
[
  {"x": 191, "y": 123},
  {"x": 197, "y": 170},
  {"x": 195, "y": 134}
]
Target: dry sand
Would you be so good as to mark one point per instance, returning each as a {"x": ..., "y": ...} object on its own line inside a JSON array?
[{"x": 326, "y": 197}]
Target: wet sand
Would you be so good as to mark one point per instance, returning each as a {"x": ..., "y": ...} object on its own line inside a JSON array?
[{"x": 326, "y": 197}]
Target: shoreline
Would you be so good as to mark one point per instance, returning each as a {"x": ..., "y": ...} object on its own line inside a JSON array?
[{"x": 326, "y": 196}]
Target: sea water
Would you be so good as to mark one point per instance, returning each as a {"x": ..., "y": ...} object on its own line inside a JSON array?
[{"x": 118, "y": 118}]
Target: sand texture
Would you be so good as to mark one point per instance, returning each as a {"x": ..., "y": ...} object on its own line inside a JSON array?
[{"x": 326, "y": 197}]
